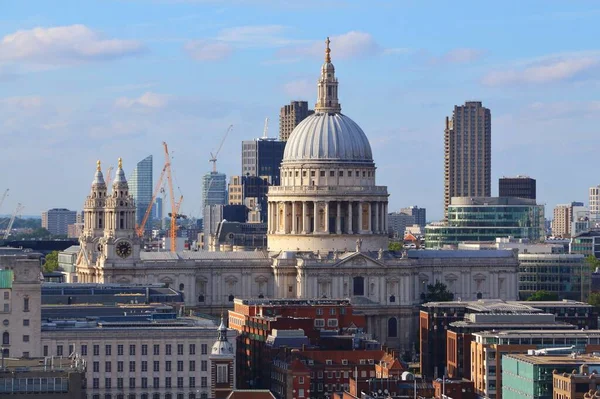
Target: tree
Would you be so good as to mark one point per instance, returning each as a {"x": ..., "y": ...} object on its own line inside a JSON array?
[
  {"x": 437, "y": 292},
  {"x": 592, "y": 262},
  {"x": 594, "y": 299},
  {"x": 543, "y": 296},
  {"x": 395, "y": 246},
  {"x": 51, "y": 263}
]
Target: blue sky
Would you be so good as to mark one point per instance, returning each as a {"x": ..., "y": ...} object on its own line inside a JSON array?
[{"x": 87, "y": 80}]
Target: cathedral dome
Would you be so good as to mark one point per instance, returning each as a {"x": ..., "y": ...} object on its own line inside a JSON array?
[{"x": 329, "y": 137}]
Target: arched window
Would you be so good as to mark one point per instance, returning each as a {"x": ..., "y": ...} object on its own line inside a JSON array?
[
  {"x": 6, "y": 338},
  {"x": 231, "y": 298},
  {"x": 358, "y": 285},
  {"x": 392, "y": 298},
  {"x": 181, "y": 287},
  {"x": 200, "y": 298},
  {"x": 479, "y": 295},
  {"x": 392, "y": 327}
]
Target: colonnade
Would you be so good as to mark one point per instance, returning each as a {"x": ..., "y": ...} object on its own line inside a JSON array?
[{"x": 327, "y": 217}]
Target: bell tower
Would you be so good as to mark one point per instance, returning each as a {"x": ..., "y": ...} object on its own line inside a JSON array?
[
  {"x": 93, "y": 219},
  {"x": 222, "y": 365},
  {"x": 327, "y": 90}
]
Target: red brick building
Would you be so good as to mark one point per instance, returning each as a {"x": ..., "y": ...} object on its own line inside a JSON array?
[{"x": 255, "y": 320}]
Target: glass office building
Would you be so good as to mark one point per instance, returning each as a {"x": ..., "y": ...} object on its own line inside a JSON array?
[
  {"x": 214, "y": 189},
  {"x": 140, "y": 187},
  {"x": 486, "y": 218}
]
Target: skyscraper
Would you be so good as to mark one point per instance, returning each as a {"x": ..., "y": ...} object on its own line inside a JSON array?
[
  {"x": 595, "y": 205},
  {"x": 290, "y": 116},
  {"x": 140, "y": 187},
  {"x": 214, "y": 189},
  {"x": 420, "y": 214},
  {"x": 57, "y": 220},
  {"x": 262, "y": 157},
  {"x": 564, "y": 217},
  {"x": 467, "y": 152},
  {"x": 520, "y": 186}
]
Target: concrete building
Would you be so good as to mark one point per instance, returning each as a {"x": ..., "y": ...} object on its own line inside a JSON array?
[
  {"x": 214, "y": 189},
  {"x": 595, "y": 206},
  {"x": 74, "y": 230},
  {"x": 552, "y": 375},
  {"x": 57, "y": 220},
  {"x": 468, "y": 153},
  {"x": 420, "y": 214},
  {"x": 586, "y": 243},
  {"x": 398, "y": 222},
  {"x": 20, "y": 282},
  {"x": 290, "y": 116},
  {"x": 520, "y": 186},
  {"x": 29, "y": 378},
  {"x": 472, "y": 219},
  {"x": 564, "y": 216},
  {"x": 140, "y": 187},
  {"x": 262, "y": 157},
  {"x": 337, "y": 249}
]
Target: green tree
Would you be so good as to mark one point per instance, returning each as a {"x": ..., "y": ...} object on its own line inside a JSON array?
[
  {"x": 543, "y": 296},
  {"x": 594, "y": 299},
  {"x": 592, "y": 262},
  {"x": 437, "y": 292},
  {"x": 395, "y": 246},
  {"x": 51, "y": 263}
]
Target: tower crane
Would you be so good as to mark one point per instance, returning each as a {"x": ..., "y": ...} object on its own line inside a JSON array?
[
  {"x": 140, "y": 229},
  {"x": 3, "y": 197},
  {"x": 108, "y": 174},
  {"x": 174, "y": 214},
  {"x": 266, "y": 128},
  {"x": 213, "y": 157},
  {"x": 12, "y": 220}
]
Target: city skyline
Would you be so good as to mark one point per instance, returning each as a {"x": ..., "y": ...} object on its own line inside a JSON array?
[{"x": 81, "y": 86}]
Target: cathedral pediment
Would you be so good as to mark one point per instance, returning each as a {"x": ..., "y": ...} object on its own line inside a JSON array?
[{"x": 359, "y": 260}]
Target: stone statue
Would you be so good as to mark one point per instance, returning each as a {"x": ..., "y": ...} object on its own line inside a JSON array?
[
  {"x": 358, "y": 244},
  {"x": 380, "y": 253}
]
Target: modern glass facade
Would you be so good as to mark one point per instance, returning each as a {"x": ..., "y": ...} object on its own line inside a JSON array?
[
  {"x": 485, "y": 219},
  {"x": 140, "y": 187},
  {"x": 214, "y": 189},
  {"x": 566, "y": 275},
  {"x": 262, "y": 157}
]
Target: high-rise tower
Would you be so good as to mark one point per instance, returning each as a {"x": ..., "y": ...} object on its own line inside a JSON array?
[
  {"x": 467, "y": 153},
  {"x": 290, "y": 116},
  {"x": 140, "y": 187}
]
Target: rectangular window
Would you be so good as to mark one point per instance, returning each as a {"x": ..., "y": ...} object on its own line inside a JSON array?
[
  {"x": 144, "y": 350},
  {"x": 25, "y": 322},
  {"x": 96, "y": 383},
  {"x": 167, "y": 382},
  {"x": 179, "y": 382},
  {"x": 332, "y": 173},
  {"x": 131, "y": 382},
  {"x": 203, "y": 382},
  {"x": 300, "y": 393},
  {"x": 96, "y": 349},
  {"x": 322, "y": 174},
  {"x": 83, "y": 350},
  {"x": 222, "y": 377},
  {"x": 156, "y": 350},
  {"x": 25, "y": 338},
  {"x": 180, "y": 349},
  {"x": 119, "y": 367},
  {"x": 180, "y": 365},
  {"x": 120, "y": 383},
  {"x": 204, "y": 349},
  {"x": 312, "y": 173},
  {"x": 156, "y": 365},
  {"x": 144, "y": 382},
  {"x": 131, "y": 350},
  {"x": 192, "y": 382},
  {"x": 156, "y": 382},
  {"x": 59, "y": 350},
  {"x": 203, "y": 365},
  {"x": 168, "y": 365},
  {"x": 120, "y": 350},
  {"x": 45, "y": 350},
  {"x": 300, "y": 380},
  {"x": 144, "y": 366},
  {"x": 96, "y": 367},
  {"x": 349, "y": 173},
  {"x": 26, "y": 304},
  {"x": 107, "y": 383},
  {"x": 107, "y": 367},
  {"x": 192, "y": 349},
  {"x": 168, "y": 350},
  {"x": 107, "y": 350},
  {"x": 192, "y": 365},
  {"x": 6, "y": 308},
  {"x": 6, "y": 295},
  {"x": 132, "y": 367}
]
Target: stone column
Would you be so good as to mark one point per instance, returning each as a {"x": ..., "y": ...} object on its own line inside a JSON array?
[
  {"x": 326, "y": 215},
  {"x": 338, "y": 218},
  {"x": 369, "y": 215},
  {"x": 360, "y": 221},
  {"x": 377, "y": 230},
  {"x": 349, "y": 217},
  {"x": 294, "y": 223},
  {"x": 276, "y": 205},
  {"x": 304, "y": 216},
  {"x": 385, "y": 213},
  {"x": 269, "y": 218},
  {"x": 315, "y": 217}
]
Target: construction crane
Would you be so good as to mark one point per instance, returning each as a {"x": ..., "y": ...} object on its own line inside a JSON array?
[
  {"x": 3, "y": 197},
  {"x": 213, "y": 157},
  {"x": 109, "y": 173},
  {"x": 12, "y": 220},
  {"x": 266, "y": 129},
  {"x": 174, "y": 214},
  {"x": 140, "y": 229}
]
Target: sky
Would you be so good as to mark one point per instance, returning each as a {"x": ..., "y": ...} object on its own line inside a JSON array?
[{"x": 88, "y": 80}]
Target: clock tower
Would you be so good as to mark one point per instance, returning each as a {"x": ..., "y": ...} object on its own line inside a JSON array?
[{"x": 120, "y": 244}]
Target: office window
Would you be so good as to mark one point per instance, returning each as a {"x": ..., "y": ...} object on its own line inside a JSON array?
[
  {"x": 204, "y": 349},
  {"x": 167, "y": 382},
  {"x": 203, "y": 365},
  {"x": 83, "y": 350},
  {"x": 168, "y": 350},
  {"x": 25, "y": 338},
  {"x": 107, "y": 367},
  {"x": 156, "y": 365},
  {"x": 26, "y": 304},
  {"x": 156, "y": 350},
  {"x": 6, "y": 295},
  {"x": 25, "y": 322},
  {"x": 144, "y": 382},
  {"x": 144, "y": 366},
  {"x": 119, "y": 383},
  {"x": 179, "y": 382},
  {"x": 156, "y": 382},
  {"x": 107, "y": 350},
  {"x": 132, "y": 366},
  {"x": 180, "y": 365},
  {"x": 96, "y": 349},
  {"x": 192, "y": 382},
  {"x": 131, "y": 350},
  {"x": 96, "y": 367},
  {"x": 119, "y": 367},
  {"x": 203, "y": 382},
  {"x": 180, "y": 349},
  {"x": 107, "y": 383},
  {"x": 168, "y": 365},
  {"x": 59, "y": 350},
  {"x": 322, "y": 173},
  {"x": 144, "y": 350},
  {"x": 120, "y": 350},
  {"x": 131, "y": 382},
  {"x": 192, "y": 349},
  {"x": 45, "y": 350},
  {"x": 96, "y": 383},
  {"x": 192, "y": 365}
]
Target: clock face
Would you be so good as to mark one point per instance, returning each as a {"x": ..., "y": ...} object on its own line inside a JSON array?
[{"x": 123, "y": 249}]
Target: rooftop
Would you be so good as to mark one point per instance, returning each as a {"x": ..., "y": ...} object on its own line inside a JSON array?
[
  {"x": 291, "y": 302},
  {"x": 251, "y": 394},
  {"x": 540, "y": 333},
  {"x": 557, "y": 359},
  {"x": 498, "y": 305},
  {"x": 460, "y": 253}
]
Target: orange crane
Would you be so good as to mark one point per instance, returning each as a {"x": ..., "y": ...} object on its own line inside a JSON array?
[
  {"x": 174, "y": 214},
  {"x": 108, "y": 174},
  {"x": 140, "y": 229}
]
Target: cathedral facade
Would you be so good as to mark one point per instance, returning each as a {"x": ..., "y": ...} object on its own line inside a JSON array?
[{"x": 327, "y": 237}]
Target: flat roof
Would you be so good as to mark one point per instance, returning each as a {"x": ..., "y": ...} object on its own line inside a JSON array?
[
  {"x": 460, "y": 253},
  {"x": 556, "y": 359},
  {"x": 539, "y": 333}
]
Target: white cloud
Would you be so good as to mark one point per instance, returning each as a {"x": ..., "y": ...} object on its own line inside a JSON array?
[
  {"x": 147, "y": 100},
  {"x": 63, "y": 45},
  {"x": 300, "y": 88},
  {"x": 550, "y": 69},
  {"x": 203, "y": 50},
  {"x": 353, "y": 44},
  {"x": 255, "y": 36}
]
